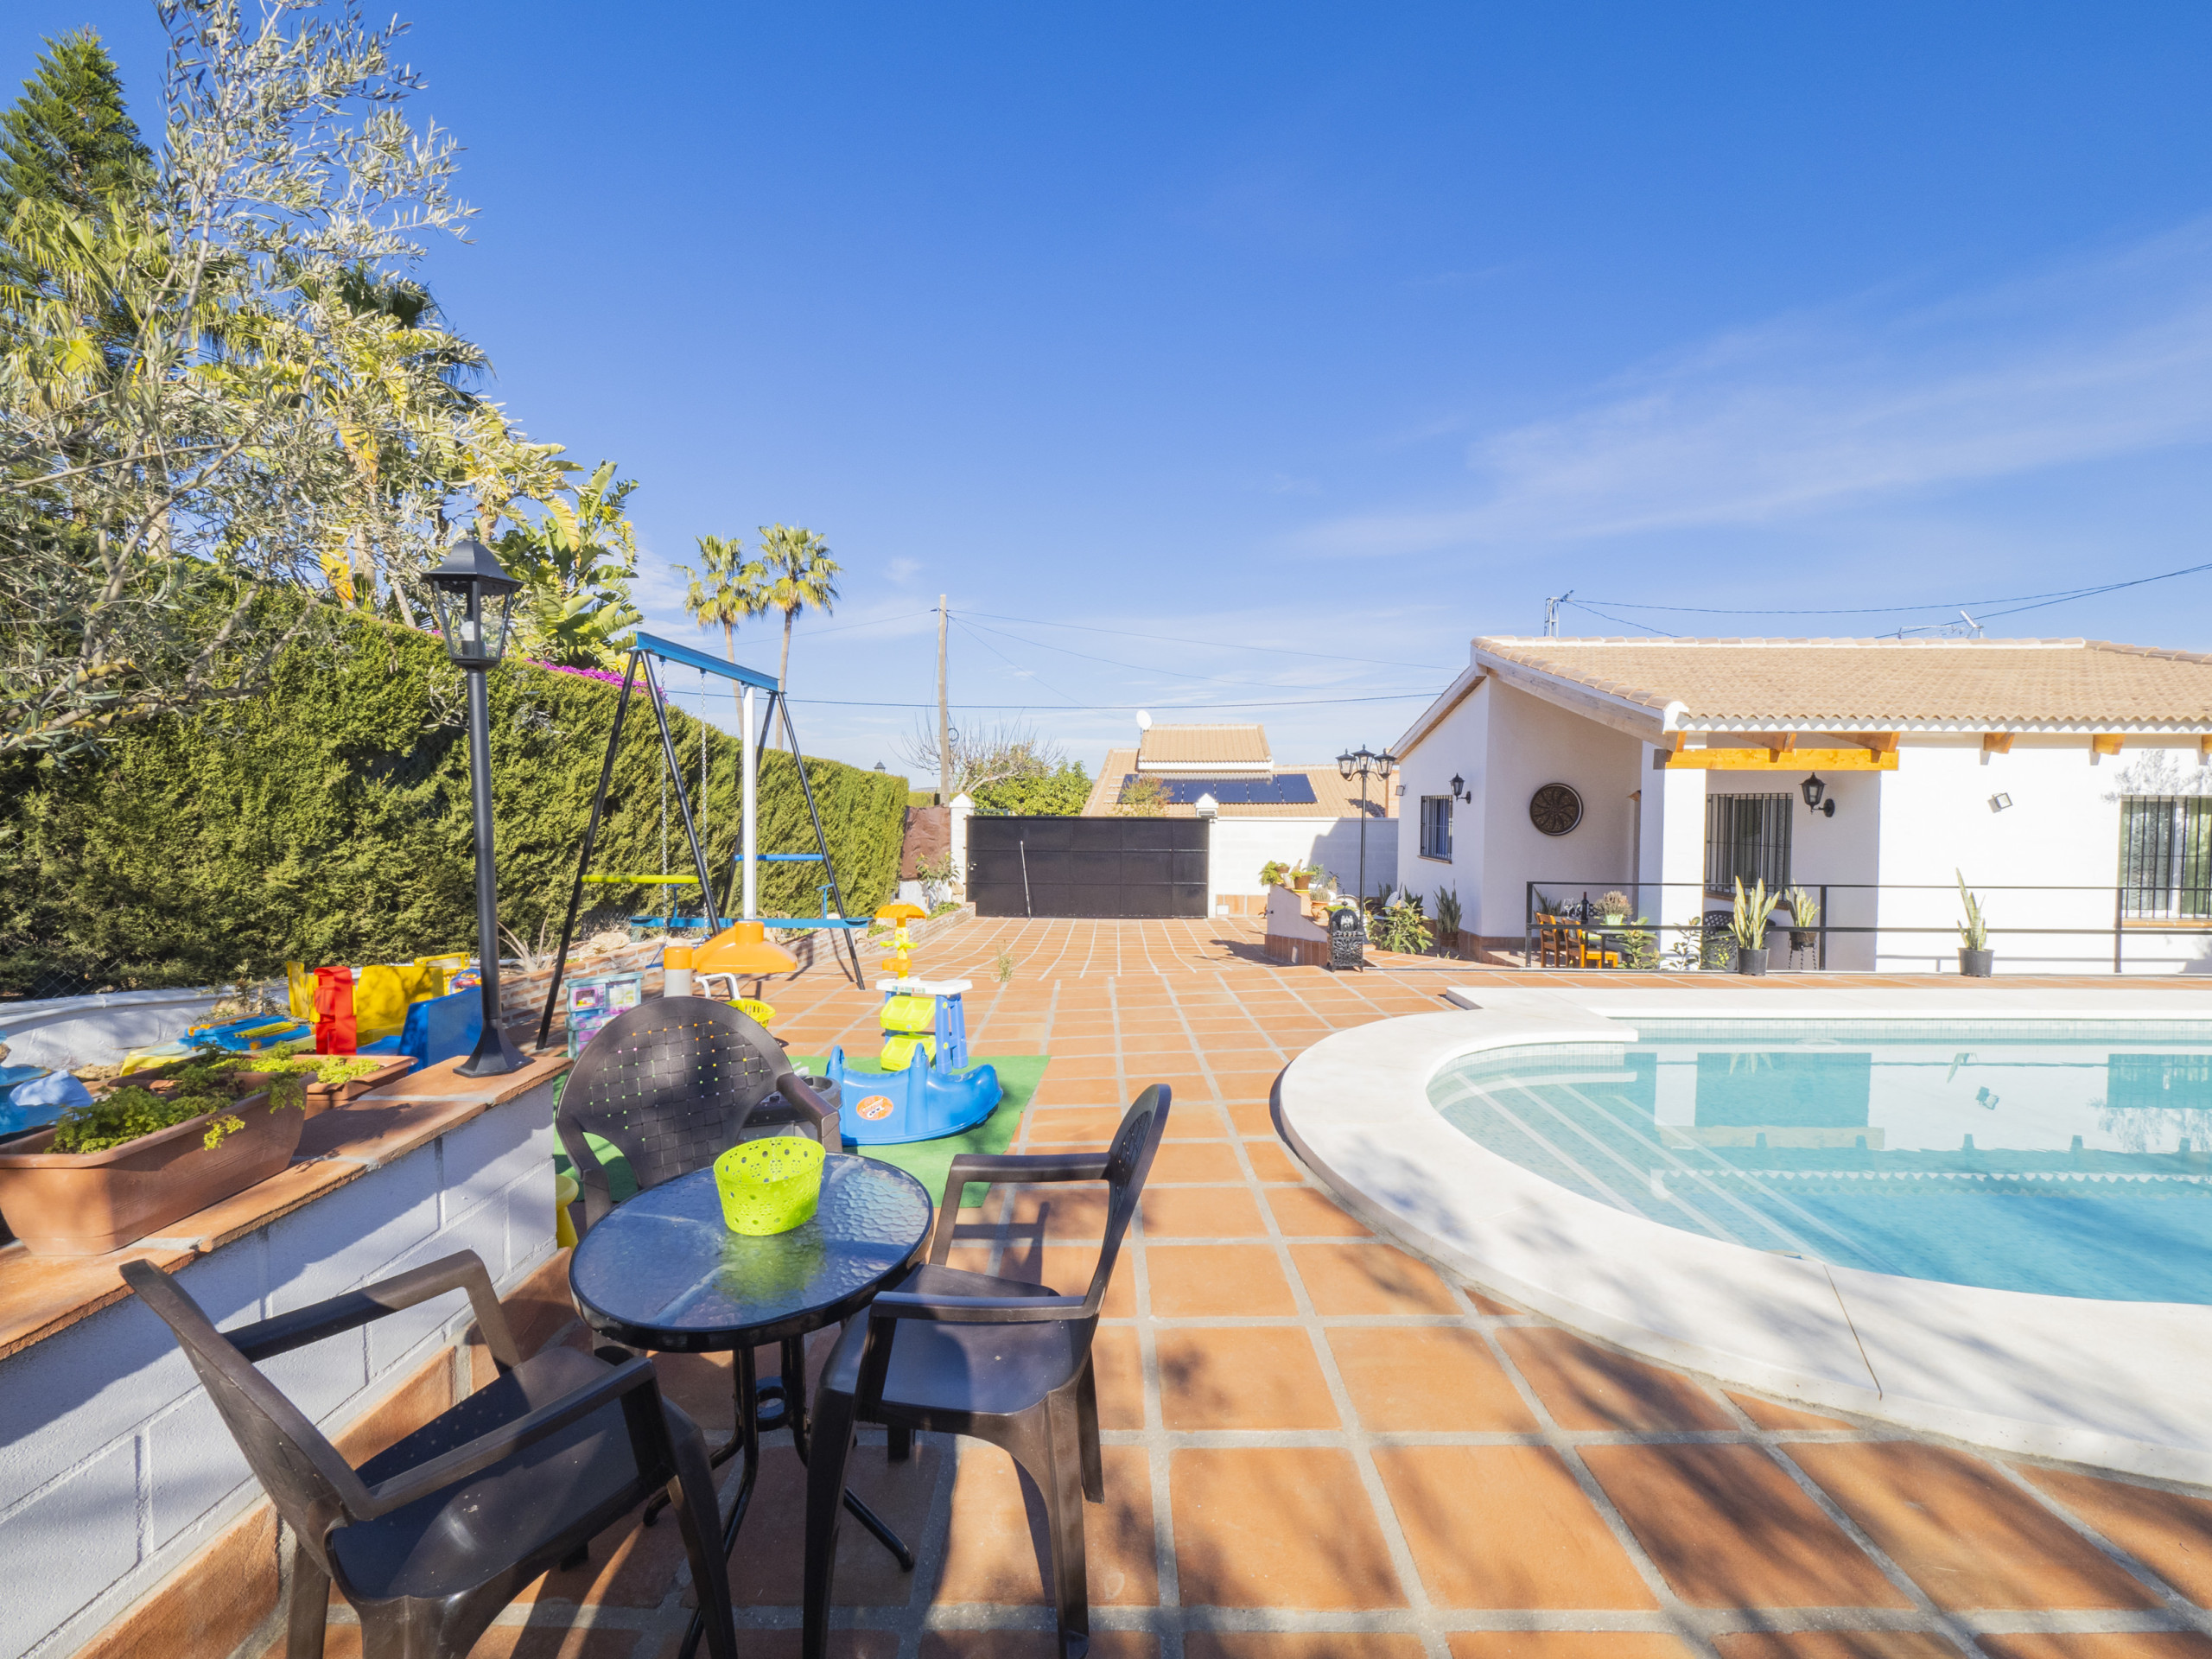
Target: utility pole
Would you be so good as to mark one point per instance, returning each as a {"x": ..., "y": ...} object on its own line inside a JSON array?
[
  {"x": 943, "y": 715},
  {"x": 1551, "y": 613}
]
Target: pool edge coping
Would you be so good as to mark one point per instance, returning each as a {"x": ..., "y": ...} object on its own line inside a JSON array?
[{"x": 2012, "y": 1371}]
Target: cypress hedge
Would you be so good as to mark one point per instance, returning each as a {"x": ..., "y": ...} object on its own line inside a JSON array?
[{"x": 328, "y": 821}]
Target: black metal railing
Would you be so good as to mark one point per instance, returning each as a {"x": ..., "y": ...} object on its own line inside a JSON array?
[{"x": 1640, "y": 941}]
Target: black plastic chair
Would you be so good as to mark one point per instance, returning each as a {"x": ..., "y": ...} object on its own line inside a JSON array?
[
  {"x": 430, "y": 1538},
  {"x": 998, "y": 1359},
  {"x": 673, "y": 1083}
]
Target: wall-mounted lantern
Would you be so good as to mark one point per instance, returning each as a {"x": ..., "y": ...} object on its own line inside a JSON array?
[
  {"x": 1998, "y": 802},
  {"x": 1815, "y": 793},
  {"x": 1460, "y": 790}
]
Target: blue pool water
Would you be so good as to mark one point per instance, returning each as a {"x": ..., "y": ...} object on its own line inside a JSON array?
[{"x": 2062, "y": 1166}]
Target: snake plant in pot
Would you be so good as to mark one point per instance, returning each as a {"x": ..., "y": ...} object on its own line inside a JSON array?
[
  {"x": 1976, "y": 959},
  {"x": 1747, "y": 926}
]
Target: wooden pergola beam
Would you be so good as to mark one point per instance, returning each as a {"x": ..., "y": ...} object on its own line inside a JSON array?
[
  {"x": 2106, "y": 742},
  {"x": 1763, "y": 759},
  {"x": 1997, "y": 742}
]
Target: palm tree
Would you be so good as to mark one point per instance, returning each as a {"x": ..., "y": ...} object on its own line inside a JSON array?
[
  {"x": 724, "y": 591},
  {"x": 797, "y": 572}
]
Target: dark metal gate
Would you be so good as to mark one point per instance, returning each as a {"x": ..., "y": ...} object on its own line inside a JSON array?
[{"x": 1109, "y": 868}]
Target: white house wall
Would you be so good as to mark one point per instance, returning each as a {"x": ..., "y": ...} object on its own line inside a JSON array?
[
  {"x": 1458, "y": 745},
  {"x": 1533, "y": 743},
  {"x": 2060, "y": 829},
  {"x": 1241, "y": 846}
]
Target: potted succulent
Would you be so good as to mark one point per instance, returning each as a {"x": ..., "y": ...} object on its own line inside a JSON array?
[
  {"x": 1976, "y": 959},
  {"x": 1613, "y": 907},
  {"x": 1748, "y": 925},
  {"x": 128, "y": 1164},
  {"x": 1805, "y": 917}
]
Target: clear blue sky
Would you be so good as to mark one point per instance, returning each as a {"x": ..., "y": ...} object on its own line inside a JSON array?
[{"x": 1341, "y": 330}]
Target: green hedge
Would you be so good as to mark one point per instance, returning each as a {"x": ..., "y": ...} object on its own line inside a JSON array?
[{"x": 329, "y": 821}]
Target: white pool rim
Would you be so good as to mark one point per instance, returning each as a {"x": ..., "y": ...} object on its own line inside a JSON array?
[{"x": 2115, "y": 1384}]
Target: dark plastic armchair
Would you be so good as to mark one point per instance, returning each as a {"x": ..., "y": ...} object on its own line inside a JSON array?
[
  {"x": 430, "y": 1538},
  {"x": 999, "y": 1359},
  {"x": 673, "y": 1083}
]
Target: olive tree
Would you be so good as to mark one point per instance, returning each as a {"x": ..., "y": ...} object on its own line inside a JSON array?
[{"x": 217, "y": 424}]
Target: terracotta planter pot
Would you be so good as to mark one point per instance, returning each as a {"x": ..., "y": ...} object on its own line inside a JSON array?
[
  {"x": 90, "y": 1202},
  {"x": 323, "y": 1096},
  {"x": 1300, "y": 882}
]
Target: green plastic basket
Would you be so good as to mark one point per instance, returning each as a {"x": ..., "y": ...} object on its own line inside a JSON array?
[{"x": 769, "y": 1186}]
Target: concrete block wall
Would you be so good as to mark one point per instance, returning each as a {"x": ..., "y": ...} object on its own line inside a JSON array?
[{"x": 115, "y": 1467}]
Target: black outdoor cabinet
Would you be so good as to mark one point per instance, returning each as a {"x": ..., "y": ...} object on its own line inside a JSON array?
[{"x": 1116, "y": 869}]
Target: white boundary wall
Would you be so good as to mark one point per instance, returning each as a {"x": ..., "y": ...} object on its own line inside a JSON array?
[
  {"x": 1238, "y": 846},
  {"x": 114, "y": 1465}
]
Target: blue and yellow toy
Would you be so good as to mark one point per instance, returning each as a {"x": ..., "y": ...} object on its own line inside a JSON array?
[{"x": 926, "y": 1088}]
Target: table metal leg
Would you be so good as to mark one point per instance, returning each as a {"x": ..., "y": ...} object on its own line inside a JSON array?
[
  {"x": 795, "y": 1386},
  {"x": 790, "y": 1392}
]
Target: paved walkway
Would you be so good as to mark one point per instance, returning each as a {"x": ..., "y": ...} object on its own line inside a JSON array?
[{"x": 1317, "y": 1445}]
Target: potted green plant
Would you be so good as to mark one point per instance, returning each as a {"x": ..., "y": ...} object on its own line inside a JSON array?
[
  {"x": 1976, "y": 959},
  {"x": 1274, "y": 872},
  {"x": 1301, "y": 877},
  {"x": 1613, "y": 906},
  {"x": 130, "y": 1163},
  {"x": 1747, "y": 927},
  {"x": 1804, "y": 917}
]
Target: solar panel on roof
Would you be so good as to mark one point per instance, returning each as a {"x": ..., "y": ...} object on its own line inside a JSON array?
[{"x": 1286, "y": 789}]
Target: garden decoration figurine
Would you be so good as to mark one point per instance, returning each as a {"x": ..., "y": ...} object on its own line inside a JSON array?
[
  {"x": 902, "y": 941},
  {"x": 474, "y": 599}
]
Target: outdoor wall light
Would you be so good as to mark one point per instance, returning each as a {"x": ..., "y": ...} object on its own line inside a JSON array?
[
  {"x": 1459, "y": 792},
  {"x": 1815, "y": 793},
  {"x": 465, "y": 588},
  {"x": 1998, "y": 802}
]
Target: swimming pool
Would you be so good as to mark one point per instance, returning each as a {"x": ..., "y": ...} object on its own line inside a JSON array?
[{"x": 2063, "y": 1165}]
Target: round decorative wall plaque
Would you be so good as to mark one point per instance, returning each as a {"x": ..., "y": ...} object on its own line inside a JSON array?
[{"x": 1555, "y": 809}]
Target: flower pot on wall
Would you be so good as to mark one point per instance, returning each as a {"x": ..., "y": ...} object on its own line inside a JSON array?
[
  {"x": 1299, "y": 882},
  {"x": 1802, "y": 938},
  {"x": 1977, "y": 964},
  {"x": 1750, "y": 962},
  {"x": 90, "y": 1202}
]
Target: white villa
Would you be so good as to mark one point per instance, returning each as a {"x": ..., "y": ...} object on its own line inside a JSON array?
[{"x": 2066, "y": 778}]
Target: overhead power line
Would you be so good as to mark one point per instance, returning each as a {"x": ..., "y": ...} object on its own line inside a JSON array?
[
  {"x": 2024, "y": 601},
  {"x": 1115, "y": 707},
  {"x": 1218, "y": 644}
]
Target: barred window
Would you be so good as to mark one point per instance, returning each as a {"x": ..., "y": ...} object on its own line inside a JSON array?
[
  {"x": 1746, "y": 839},
  {"x": 1436, "y": 826},
  {"x": 2165, "y": 855}
]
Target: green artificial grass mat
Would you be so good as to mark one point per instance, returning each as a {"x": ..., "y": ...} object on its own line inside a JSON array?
[
  {"x": 931, "y": 1162},
  {"x": 927, "y": 1162}
]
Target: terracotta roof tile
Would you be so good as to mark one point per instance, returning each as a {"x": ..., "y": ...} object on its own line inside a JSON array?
[
  {"x": 1881, "y": 685},
  {"x": 1240, "y": 747}
]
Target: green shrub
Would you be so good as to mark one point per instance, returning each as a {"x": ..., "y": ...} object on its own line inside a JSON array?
[
  {"x": 328, "y": 821},
  {"x": 130, "y": 1113}
]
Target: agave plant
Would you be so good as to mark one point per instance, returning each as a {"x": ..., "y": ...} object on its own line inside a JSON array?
[
  {"x": 1748, "y": 926},
  {"x": 1973, "y": 933}
]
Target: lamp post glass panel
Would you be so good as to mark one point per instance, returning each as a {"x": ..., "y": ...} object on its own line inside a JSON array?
[
  {"x": 1363, "y": 763},
  {"x": 475, "y": 600}
]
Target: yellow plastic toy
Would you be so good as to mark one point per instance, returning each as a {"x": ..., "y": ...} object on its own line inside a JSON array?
[
  {"x": 914, "y": 1017},
  {"x": 754, "y": 1009},
  {"x": 902, "y": 941}
]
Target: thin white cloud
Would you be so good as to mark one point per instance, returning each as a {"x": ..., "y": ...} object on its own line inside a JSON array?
[{"x": 1811, "y": 414}]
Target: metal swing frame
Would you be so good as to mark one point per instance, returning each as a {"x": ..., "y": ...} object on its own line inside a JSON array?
[{"x": 746, "y": 855}]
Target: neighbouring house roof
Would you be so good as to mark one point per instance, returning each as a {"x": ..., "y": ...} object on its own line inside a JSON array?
[
  {"x": 1332, "y": 796},
  {"x": 1204, "y": 748},
  {"x": 1652, "y": 687}
]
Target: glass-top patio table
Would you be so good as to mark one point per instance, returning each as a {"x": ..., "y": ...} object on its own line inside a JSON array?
[{"x": 662, "y": 1272}]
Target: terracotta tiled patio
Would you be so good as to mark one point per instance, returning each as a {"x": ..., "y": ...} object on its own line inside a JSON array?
[{"x": 1317, "y": 1445}]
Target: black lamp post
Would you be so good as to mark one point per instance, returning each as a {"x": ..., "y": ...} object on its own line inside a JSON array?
[
  {"x": 475, "y": 602},
  {"x": 1362, "y": 764}
]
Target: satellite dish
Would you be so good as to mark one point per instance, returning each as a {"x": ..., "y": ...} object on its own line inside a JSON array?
[{"x": 1144, "y": 721}]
